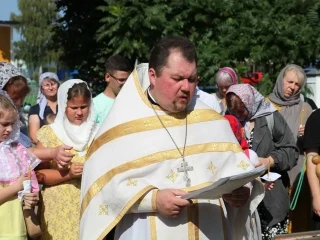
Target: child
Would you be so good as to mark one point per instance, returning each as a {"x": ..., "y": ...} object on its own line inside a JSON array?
[
  {"x": 74, "y": 126},
  {"x": 16, "y": 163}
]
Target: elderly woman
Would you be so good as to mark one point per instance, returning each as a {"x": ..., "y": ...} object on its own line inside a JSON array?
[
  {"x": 47, "y": 103},
  {"x": 286, "y": 98},
  {"x": 273, "y": 144},
  {"x": 225, "y": 78}
]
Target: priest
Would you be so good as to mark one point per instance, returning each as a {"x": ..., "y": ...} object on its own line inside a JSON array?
[{"x": 158, "y": 143}]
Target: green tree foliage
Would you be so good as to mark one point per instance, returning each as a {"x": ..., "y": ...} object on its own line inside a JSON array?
[
  {"x": 75, "y": 32},
  {"x": 35, "y": 26},
  {"x": 266, "y": 34}
]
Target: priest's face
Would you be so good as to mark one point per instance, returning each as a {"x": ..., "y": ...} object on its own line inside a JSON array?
[
  {"x": 174, "y": 88},
  {"x": 77, "y": 109}
]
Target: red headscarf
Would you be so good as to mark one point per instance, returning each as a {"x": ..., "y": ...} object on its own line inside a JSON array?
[{"x": 238, "y": 131}]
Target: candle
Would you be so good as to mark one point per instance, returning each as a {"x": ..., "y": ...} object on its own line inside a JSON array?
[
  {"x": 269, "y": 168},
  {"x": 301, "y": 116},
  {"x": 29, "y": 173}
]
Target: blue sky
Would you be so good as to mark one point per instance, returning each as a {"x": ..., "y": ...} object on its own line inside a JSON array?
[{"x": 7, "y": 7}]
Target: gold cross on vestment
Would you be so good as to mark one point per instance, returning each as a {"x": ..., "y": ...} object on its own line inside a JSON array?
[
  {"x": 172, "y": 176},
  {"x": 132, "y": 182},
  {"x": 212, "y": 168},
  {"x": 103, "y": 209},
  {"x": 243, "y": 165}
]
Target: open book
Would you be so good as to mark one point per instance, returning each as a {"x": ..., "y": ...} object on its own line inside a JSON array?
[{"x": 226, "y": 185}]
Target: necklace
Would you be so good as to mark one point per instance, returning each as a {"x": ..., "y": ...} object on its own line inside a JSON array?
[{"x": 184, "y": 165}]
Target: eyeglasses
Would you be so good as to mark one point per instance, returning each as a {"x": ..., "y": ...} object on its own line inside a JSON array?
[
  {"x": 120, "y": 80},
  {"x": 49, "y": 85}
]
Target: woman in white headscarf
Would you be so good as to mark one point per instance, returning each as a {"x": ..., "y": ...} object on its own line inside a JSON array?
[
  {"x": 47, "y": 103},
  {"x": 16, "y": 86},
  {"x": 74, "y": 126}
]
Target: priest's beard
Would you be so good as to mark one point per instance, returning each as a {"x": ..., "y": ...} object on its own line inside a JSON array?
[{"x": 179, "y": 106}]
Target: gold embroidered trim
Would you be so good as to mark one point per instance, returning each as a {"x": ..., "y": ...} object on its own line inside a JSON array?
[
  {"x": 153, "y": 227},
  {"x": 196, "y": 219},
  {"x": 152, "y": 123},
  {"x": 196, "y": 187},
  {"x": 225, "y": 232},
  {"x": 190, "y": 224},
  {"x": 124, "y": 211},
  {"x": 153, "y": 199},
  {"x": 172, "y": 154},
  {"x": 193, "y": 221},
  {"x": 142, "y": 95}
]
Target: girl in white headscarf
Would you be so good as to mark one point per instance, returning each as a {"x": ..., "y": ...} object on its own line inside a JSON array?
[
  {"x": 74, "y": 126},
  {"x": 15, "y": 162},
  {"x": 46, "y": 103}
]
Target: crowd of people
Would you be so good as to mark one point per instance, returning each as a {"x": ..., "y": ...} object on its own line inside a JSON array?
[{"x": 117, "y": 166}]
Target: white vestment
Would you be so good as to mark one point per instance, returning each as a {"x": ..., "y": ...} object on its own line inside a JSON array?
[
  {"x": 132, "y": 156},
  {"x": 208, "y": 99}
]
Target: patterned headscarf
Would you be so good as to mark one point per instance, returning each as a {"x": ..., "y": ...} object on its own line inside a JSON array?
[
  {"x": 255, "y": 103},
  {"x": 41, "y": 98},
  {"x": 7, "y": 71}
]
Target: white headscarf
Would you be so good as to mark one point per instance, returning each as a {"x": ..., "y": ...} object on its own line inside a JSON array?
[
  {"x": 76, "y": 136},
  {"x": 41, "y": 99},
  {"x": 14, "y": 162}
]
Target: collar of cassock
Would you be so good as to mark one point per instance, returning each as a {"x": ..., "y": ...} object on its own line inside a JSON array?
[{"x": 150, "y": 98}]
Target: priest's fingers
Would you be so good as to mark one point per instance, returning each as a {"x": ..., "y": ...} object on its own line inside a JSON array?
[
  {"x": 175, "y": 214},
  {"x": 181, "y": 202},
  {"x": 168, "y": 201},
  {"x": 178, "y": 192}
]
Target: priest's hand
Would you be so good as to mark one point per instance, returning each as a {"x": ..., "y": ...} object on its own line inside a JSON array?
[
  {"x": 238, "y": 197},
  {"x": 60, "y": 154},
  {"x": 169, "y": 203}
]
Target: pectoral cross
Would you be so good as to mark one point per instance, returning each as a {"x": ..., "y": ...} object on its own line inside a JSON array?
[{"x": 185, "y": 168}]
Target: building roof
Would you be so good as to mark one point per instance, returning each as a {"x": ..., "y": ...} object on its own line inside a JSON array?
[
  {"x": 313, "y": 72},
  {"x": 2, "y": 22}
]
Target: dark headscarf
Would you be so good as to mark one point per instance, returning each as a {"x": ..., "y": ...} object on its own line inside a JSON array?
[{"x": 290, "y": 107}]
